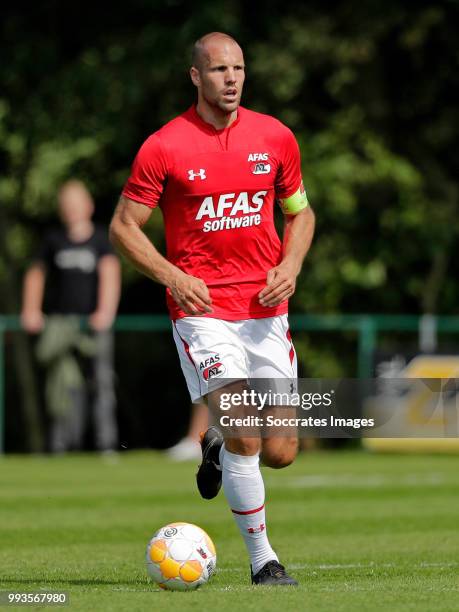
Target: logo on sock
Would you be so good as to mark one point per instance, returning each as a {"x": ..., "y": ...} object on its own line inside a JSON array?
[{"x": 258, "y": 529}]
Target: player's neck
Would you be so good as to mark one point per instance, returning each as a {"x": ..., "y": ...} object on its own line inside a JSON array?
[
  {"x": 214, "y": 116},
  {"x": 81, "y": 231}
]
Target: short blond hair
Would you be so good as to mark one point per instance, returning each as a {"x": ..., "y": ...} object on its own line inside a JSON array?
[{"x": 74, "y": 183}]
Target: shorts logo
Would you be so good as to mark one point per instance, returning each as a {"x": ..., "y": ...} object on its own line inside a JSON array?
[
  {"x": 261, "y": 168},
  {"x": 201, "y": 173},
  {"x": 212, "y": 367},
  {"x": 213, "y": 371}
]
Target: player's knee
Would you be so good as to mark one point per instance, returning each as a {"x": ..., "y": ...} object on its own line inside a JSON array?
[
  {"x": 280, "y": 453},
  {"x": 243, "y": 446}
]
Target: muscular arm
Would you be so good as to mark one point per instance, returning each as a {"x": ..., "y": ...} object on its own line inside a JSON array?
[
  {"x": 190, "y": 293},
  {"x": 32, "y": 318},
  {"x": 281, "y": 280}
]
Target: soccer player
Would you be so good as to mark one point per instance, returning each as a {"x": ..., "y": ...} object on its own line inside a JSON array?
[{"x": 216, "y": 171}]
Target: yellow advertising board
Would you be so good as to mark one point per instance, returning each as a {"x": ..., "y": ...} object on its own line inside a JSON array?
[{"x": 411, "y": 409}]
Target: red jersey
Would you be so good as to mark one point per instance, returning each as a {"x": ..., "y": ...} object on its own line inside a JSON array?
[{"x": 216, "y": 190}]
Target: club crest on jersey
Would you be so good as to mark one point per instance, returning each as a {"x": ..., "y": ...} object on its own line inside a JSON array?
[
  {"x": 201, "y": 174},
  {"x": 261, "y": 168}
]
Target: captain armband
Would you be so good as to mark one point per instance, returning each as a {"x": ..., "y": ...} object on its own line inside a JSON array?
[{"x": 294, "y": 203}]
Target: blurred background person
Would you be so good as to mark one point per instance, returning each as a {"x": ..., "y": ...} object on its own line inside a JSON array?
[
  {"x": 75, "y": 273},
  {"x": 189, "y": 448}
]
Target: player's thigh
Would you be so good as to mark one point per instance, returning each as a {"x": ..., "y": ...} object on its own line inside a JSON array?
[
  {"x": 237, "y": 417},
  {"x": 210, "y": 354},
  {"x": 269, "y": 347}
]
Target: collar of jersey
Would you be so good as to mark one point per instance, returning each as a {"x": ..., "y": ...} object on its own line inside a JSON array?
[{"x": 208, "y": 126}]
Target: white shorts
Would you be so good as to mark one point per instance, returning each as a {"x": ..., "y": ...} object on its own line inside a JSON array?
[{"x": 210, "y": 349}]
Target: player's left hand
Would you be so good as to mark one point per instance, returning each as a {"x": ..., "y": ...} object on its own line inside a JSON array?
[
  {"x": 100, "y": 321},
  {"x": 280, "y": 285}
]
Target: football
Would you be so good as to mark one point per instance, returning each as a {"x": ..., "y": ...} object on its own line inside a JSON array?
[{"x": 180, "y": 557}]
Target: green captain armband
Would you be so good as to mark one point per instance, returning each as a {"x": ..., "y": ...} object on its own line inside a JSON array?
[{"x": 295, "y": 203}]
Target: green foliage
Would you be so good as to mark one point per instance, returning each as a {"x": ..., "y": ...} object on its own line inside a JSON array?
[
  {"x": 360, "y": 87},
  {"x": 370, "y": 90}
]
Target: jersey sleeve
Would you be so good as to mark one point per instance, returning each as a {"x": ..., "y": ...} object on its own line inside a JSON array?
[
  {"x": 148, "y": 174},
  {"x": 289, "y": 174},
  {"x": 289, "y": 185}
]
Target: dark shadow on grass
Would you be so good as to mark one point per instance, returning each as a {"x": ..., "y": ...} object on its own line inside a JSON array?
[{"x": 75, "y": 581}]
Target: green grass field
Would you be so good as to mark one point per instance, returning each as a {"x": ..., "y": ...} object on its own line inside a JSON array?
[{"x": 359, "y": 532}]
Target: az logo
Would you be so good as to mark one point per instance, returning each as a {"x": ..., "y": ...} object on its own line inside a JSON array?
[
  {"x": 217, "y": 369},
  {"x": 261, "y": 168}
]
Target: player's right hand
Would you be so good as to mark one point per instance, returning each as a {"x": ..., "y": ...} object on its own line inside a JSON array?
[{"x": 191, "y": 294}]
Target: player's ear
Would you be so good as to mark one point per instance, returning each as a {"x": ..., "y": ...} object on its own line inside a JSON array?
[{"x": 195, "y": 76}]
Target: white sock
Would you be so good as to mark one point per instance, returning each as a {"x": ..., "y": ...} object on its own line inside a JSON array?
[{"x": 245, "y": 492}]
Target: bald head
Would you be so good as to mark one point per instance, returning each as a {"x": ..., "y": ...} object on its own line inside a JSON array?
[
  {"x": 218, "y": 73},
  {"x": 203, "y": 48}
]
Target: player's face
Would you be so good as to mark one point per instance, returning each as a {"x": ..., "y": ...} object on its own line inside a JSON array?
[
  {"x": 221, "y": 79},
  {"x": 75, "y": 205}
]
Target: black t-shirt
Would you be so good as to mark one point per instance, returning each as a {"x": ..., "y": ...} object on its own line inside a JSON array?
[{"x": 72, "y": 275}]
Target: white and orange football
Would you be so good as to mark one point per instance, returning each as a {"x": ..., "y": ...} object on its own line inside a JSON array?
[{"x": 180, "y": 557}]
